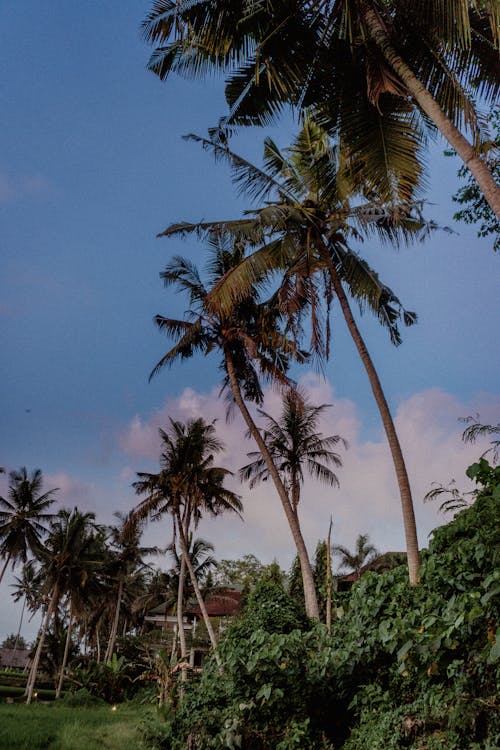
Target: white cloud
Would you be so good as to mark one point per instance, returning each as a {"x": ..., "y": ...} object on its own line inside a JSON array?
[{"x": 368, "y": 499}]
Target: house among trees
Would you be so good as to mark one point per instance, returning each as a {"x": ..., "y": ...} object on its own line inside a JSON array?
[
  {"x": 381, "y": 564},
  {"x": 14, "y": 658}
]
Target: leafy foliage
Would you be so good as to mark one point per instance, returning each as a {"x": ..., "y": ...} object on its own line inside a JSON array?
[{"x": 404, "y": 666}]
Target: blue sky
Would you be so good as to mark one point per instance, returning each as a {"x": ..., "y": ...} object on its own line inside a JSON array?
[{"x": 92, "y": 166}]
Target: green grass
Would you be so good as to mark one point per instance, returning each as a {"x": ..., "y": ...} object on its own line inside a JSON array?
[{"x": 55, "y": 727}]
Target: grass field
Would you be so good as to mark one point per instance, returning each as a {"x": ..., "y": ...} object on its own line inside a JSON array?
[{"x": 56, "y": 727}]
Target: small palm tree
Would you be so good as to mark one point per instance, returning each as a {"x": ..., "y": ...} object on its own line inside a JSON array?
[
  {"x": 294, "y": 444},
  {"x": 187, "y": 486},
  {"x": 23, "y": 517},
  {"x": 363, "y": 554}
]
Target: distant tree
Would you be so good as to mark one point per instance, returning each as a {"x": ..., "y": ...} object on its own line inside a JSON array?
[
  {"x": 475, "y": 208},
  {"x": 363, "y": 554},
  {"x": 244, "y": 572},
  {"x": 14, "y": 641},
  {"x": 476, "y": 429},
  {"x": 23, "y": 517}
]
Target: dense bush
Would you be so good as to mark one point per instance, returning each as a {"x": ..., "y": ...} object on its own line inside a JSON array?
[{"x": 405, "y": 666}]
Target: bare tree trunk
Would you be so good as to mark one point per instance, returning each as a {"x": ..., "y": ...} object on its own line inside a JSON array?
[
  {"x": 114, "y": 627},
  {"x": 392, "y": 438},
  {"x": 41, "y": 638},
  {"x": 66, "y": 651},
  {"x": 5, "y": 566},
  {"x": 98, "y": 643},
  {"x": 311, "y": 599},
  {"x": 428, "y": 104},
  {"x": 199, "y": 598},
  {"x": 329, "y": 579},
  {"x": 19, "y": 628}
]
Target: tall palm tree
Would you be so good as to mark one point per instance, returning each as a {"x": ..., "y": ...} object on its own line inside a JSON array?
[
  {"x": 67, "y": 562},
  {"x": 187, "y": 486},
  {"x": 23, "y": 517},
  {"x": 380, "y": 73},
  {"x": 248, "y": 336},
  {"x": 305, "y": 229},
  {"x": 294, "y": 444},
  {"x": 125, "y": 560},
  {"x": 363, "y": 554}
]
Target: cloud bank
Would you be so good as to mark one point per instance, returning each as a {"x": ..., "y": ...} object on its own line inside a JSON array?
[{"x": 367, "y": 500}]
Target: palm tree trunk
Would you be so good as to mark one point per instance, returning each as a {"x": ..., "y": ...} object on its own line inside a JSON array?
[
  {"x": 392, "y": 438},
  {"x": 311, "y": 600},
  {"x": 199, "y": 598},
  {"x": 329, "y": 579},
  {"x": 66, "y": 651},
  {"x": 180, "y": 598},
  {"x": 5, "y": 566},
  {"x": 41, "y": 638},
  {"x": 114, "y": 628},
  {"x": 19, "y": 628},
  {"x": 428, "y": 104}
]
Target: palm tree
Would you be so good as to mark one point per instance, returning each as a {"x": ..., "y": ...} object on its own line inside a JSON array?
[
  {"x": 124, "y": 561},
  {"x": 26, "y": 588},
  {"x": 305, "y": 230},
  {"x": 381, "y": 74},
  {"x": 293, "y": 442},
  {"x": 364, "y": 554},
  {"x": 67, "y": 562},
  {"x": 248, "y": 336},
  {"x": 187, "y": 485},
  {"x": 23, "y": 517}
]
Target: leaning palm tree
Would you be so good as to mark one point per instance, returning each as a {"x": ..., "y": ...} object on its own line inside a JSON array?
[
  {"x": 252, "y": 345},
  {"x": 187, "y": 486},
  {"x": 23, "y": 517},
  {"x": 305, "y": 230},
  {"x": 295, "y": 444},
  {"x": 382, "y": 74},
  {"x": 364, "y": 554}
]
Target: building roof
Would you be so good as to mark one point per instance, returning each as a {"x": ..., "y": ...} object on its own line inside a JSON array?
[
  {"x": 222, "y": 603},
  {"x": 18, "y": 657}
]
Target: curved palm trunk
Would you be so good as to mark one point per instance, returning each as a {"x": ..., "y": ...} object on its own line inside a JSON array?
[
  {"x": 428, "y": 104},
  {"x": 199, "y": 598},
  {"x": 311, "y": 600},
  {"x": 5, "y": 567},
  {"x": 41, "y": 638},
  {"x": 66, "y": 651},
  {"x": 114, "y": 628},
  {"x": 392, "y": 438}
]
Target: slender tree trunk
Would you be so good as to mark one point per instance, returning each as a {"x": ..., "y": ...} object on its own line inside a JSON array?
[
  {"x": 19, "y": 628},
  {"x": 41, "y": 638},
  {"x": 392, "y": 438},
  {"x": 199, "y": 598},
  {"x": 66, "y": 651},
  {"x": 311, "y": 600},
  {"x": 98, "y": 643},
  {"x": 329, "y": 579},
  {"x": 428, "y": 104},
  {"x": 114, "y": 627},
  {"x": 5, "y": 567}
]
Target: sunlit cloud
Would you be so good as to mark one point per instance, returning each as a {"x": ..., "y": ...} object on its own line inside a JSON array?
[{"x": 367, "y": 500}]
